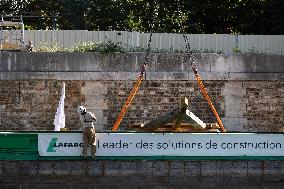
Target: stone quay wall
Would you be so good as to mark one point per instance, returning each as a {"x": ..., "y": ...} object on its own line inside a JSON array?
[
  {"x": 246, "y": 89},
  {"x": 142, "y": 174}
]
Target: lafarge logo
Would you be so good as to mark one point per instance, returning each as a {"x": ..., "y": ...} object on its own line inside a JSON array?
[{"x": 53, "y": 145}]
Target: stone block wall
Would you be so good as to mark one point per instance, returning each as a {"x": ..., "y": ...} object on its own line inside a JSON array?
[
  {"x": 142, "y": 174},
  {"x": 246, "y": 91},
  {"x": 31, "y": 105}
]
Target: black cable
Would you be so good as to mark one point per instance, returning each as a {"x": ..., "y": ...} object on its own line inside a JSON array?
[
  {"x": 187, "y": 44},
  {"x": 150, "y": 40}
]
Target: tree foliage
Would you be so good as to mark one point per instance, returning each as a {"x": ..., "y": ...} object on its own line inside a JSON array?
[{"x": 196, "y": 16}]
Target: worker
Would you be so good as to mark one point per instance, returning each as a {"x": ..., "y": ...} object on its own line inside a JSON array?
[
  {"x": 89, "y": 135},
  {"x": 30, "y": 46}
]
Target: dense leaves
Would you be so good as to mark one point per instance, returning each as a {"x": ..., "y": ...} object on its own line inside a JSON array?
[{"x": 196, "y": 16}]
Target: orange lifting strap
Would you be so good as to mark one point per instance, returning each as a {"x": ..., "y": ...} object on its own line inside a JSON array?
[
  {"x": 128, "y": 102},
  {"x": 140, "y": 78},
  {"x": 197, "y": 77},
  {"x": 206, "y": 96}
]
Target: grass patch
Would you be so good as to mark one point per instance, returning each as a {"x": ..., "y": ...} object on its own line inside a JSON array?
[{"x": 111, "y": 47}]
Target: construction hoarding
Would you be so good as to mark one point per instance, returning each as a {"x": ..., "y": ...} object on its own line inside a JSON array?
[{"x": 165, "y": 144}]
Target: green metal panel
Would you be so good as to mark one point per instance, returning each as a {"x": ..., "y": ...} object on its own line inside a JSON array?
[
  {"x": 18, "y": 146},
  {"x": 14, "y": 141}
]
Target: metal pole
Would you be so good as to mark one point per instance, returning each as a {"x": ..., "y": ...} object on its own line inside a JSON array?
[
  {"x": 1, "y": 34},
  {"x": 22, "y": 34},
  {"x": 1, "y": 38},
  {"x": 236, "y": 41}
]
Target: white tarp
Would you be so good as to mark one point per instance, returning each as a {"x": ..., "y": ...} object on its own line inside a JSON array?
[
  {"x": 165, "y": 144},
  {"x": 59, "y": 120}
]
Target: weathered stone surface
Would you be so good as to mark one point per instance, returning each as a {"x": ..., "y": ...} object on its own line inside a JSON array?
[
  {"x": 95, "y": 168},
  {"x": 63, "y": 168},
  {"x": 113, "y": 168},
  {"x": 255, "y": 106},
  {"x": 245, "y": 89},
  {"x": 143, "y": 174},
  {"x": 132, "y": 62},
  {"x": 45, "y": 168}
]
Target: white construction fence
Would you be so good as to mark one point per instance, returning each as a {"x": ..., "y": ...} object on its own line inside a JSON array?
[{"x": 225, "y": 43}]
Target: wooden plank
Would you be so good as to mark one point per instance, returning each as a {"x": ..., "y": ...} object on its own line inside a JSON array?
[
  {"x": 176, "y": 117},
  {"x": 10, "y": 46},
  {"x": 162, "y": 120},
  {"x": 212, "y": 126},
  {"x": 194, "y": 120}
]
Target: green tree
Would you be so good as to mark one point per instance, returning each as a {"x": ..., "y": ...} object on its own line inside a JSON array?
[
  {"x": 196, "y": 16},
  {"x": 11, "y": 7},
  {"x": 43, "y": 10},
  {"x": 72, "y": 15},
  {"x": 273, "y": 18},
  {"x": 108, "y": 15}
]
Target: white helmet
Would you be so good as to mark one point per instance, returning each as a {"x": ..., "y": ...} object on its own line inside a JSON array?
[{"x": 82, "y": 109}]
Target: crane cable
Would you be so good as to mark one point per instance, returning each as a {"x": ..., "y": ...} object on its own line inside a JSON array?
[
  {"x": 197, "y": 76},
  {"x": 140, "y": 77}
]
